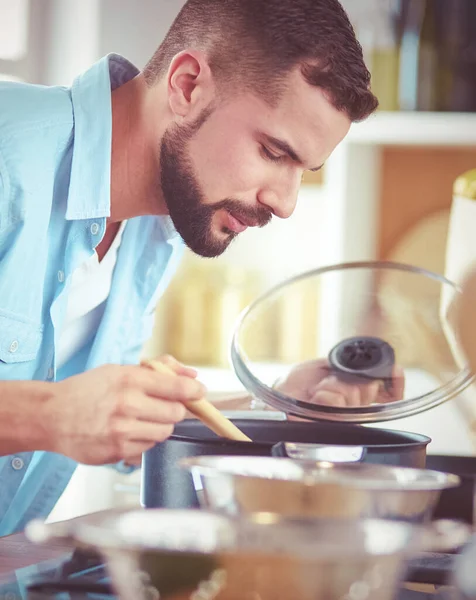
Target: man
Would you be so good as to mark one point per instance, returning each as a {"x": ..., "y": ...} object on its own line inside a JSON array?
[{"x": 102, "y": 183}]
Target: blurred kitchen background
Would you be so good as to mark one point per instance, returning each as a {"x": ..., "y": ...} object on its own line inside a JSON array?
[{"x": 386, "y": 193}]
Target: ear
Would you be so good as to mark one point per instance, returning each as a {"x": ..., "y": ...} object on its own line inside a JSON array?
[{"x": 189, "y": 84}]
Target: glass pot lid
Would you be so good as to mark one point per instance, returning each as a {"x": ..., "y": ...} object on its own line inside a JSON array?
[{"x": 356, "y": 342}]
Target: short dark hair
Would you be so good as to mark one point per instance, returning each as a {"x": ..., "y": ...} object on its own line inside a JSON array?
[{"x": 254, "y": 44}]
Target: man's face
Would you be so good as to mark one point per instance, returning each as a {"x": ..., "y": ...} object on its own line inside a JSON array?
[{"x": 241, "y": 162}]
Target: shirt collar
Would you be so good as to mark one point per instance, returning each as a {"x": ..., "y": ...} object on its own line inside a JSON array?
[
  {"x": 89, "y": 194},
  {"x": 90, "y": 184},
  {"x": 168, "y": 229}
]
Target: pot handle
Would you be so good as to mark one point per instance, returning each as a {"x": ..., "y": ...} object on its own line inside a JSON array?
[{"x": 319, "y": 452}]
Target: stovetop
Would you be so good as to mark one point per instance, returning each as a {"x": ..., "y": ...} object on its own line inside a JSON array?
[{"x": 82, "y": 576}]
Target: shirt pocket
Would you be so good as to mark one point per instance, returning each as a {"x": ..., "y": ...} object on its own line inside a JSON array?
[{"x": 20, "y": 339}]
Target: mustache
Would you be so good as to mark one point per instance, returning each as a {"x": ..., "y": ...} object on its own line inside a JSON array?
[{"x": 258, "y": 215}]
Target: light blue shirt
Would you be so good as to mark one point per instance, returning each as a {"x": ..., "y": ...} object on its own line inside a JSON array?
[{"x": 55, "y": 163}]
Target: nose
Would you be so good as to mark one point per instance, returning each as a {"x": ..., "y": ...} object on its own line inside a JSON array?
[{"x": 280, "y": 201}]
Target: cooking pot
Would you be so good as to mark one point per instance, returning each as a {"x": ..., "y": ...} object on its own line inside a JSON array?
[
  {"x": 190, "y": 554},
  {"x": 305, "y": 488},
  {"x": 378, "y": 344},
  {"x": 165, "y": 484}
]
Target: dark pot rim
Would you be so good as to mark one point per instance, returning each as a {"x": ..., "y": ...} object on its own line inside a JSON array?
[{"x": 409, "y": 441}]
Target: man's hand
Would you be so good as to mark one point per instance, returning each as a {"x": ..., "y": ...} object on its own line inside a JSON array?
[
  {"x": 313, "y": 381},
  {"x": 115, "y": 413}
]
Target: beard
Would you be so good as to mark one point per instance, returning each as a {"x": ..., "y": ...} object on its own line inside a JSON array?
[{"x": 185, "y": 200}]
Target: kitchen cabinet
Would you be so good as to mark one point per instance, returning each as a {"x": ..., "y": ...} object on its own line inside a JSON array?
[{"x": 393, "y": 166}]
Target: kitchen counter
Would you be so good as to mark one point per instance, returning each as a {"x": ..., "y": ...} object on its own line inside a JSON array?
[{"x": 17, "y": 552}]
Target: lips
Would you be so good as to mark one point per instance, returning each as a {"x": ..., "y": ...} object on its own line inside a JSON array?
[{"x": 234, "y": 223}]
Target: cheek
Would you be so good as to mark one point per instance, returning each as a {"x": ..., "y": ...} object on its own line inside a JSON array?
[{"x": 227, "y": 169}]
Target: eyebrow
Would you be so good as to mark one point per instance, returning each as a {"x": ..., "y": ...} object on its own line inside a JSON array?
[{"x": 287, "y": 149}]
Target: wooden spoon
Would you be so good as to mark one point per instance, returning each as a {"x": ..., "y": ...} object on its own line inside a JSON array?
[{"x": 204, "y": 410}]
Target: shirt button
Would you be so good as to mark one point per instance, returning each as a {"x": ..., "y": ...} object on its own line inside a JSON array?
[
  {"x": 94, "y": 228},
  {"x": 51, "y": 373},
  {"x": 17, "y": 463},
  {"x": 60, "y": 276},
  {"x": 13, "y": 346}
]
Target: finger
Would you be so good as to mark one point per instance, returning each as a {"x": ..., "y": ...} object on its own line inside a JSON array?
[
  {"x": 144, "y": 432},
  {"x": 178, "y": 367},
  {"x": 333, "y": 384},
  {"x": 296, "y": 382},
  {"x": 369, "y": 393},
  {"x": 361, "y": 394},
  {"x": 160, "y": 385},
  {"x": 135, "y": 461},
  {"x": 132, "y": 452},
  {"x": 154, "y": 410},
  {"x": 328, "y": 399},
  {"x": 396, "y": 391},
  {"x": 398, "y": 383}
]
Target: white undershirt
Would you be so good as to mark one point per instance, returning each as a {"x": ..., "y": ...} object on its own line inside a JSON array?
[{"x": 88, "y": 291}]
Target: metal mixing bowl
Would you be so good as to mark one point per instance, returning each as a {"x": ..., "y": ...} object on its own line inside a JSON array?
[
  {"x": 198, "y": 555},
  {"x": 247, "y": 484}
]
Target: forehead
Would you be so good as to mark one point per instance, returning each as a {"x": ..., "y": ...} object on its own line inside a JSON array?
[{"x": 304, "y": 117}]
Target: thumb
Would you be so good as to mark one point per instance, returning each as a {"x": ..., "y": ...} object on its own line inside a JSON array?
[{"x": 177, "y": 367}]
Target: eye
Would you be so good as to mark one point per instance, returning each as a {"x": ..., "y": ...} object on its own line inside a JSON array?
[{"x": 270, "y": 155}]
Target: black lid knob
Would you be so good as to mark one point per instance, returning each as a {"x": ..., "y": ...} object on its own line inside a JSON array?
[{"x": 360, "y": 358}]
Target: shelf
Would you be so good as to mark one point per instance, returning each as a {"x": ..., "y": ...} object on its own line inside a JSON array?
[{"x": 415, "y": 128}]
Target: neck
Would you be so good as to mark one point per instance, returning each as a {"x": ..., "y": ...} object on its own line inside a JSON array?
[{"x": 135, "y": 187}]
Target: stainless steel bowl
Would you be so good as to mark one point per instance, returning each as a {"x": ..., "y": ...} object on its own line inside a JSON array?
[
  {"x": 198, "y": 555},
  {"x": 248, "y": 484}
]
